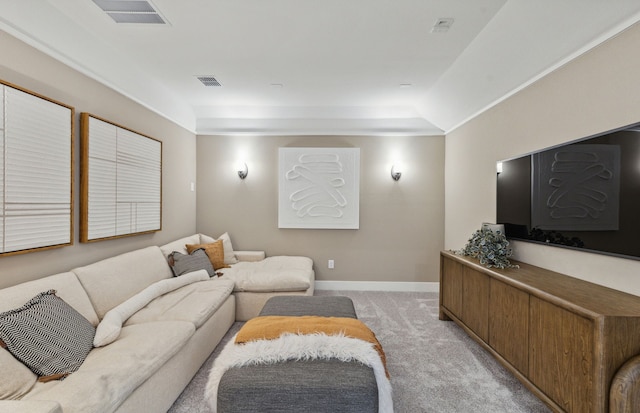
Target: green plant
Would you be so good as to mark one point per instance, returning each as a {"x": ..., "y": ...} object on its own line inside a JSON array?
[{"x": 490, "y": 248}]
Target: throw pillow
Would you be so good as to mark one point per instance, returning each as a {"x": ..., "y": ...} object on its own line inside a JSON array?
[
  {"x": 47, "y": 335},
  {"x": 215, "y": 252},
  {"x": 229, "y": 254},
  {"x": 196, "y": 260}
]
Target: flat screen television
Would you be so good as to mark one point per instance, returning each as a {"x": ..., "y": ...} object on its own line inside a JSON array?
[{"x": 582, "y": 195}]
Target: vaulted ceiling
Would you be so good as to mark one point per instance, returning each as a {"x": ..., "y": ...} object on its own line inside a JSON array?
[{"x": 373, "y": 67}]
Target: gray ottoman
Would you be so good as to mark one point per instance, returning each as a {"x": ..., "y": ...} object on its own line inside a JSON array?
[{"x": 301, "y": 386}]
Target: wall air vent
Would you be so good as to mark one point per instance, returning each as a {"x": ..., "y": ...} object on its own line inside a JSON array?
[
  {"x": 131, "y": 11},
  {"x": 442, "y": 25},
  {"x": 209, "y": 81}
]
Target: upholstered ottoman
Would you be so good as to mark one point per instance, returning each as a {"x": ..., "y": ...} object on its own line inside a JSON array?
[{"x": 298, "y": 382}]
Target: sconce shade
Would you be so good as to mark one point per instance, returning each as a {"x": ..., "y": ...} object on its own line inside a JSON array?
[
  {"x": 395, "y": 173},
  {"x": 243, "y": 170}
]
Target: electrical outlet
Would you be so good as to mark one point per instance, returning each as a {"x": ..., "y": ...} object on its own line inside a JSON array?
[{"x": 331, "y": 263}]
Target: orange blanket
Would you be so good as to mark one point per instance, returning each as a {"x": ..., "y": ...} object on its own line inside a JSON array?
[{"x": 272, "y": 327}]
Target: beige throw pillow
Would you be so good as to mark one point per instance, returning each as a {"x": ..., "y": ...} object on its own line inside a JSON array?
[{"x": 229, "y": 254}]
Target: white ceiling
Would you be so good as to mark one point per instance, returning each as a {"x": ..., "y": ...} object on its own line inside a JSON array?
[{"x": 340, "y": 64}]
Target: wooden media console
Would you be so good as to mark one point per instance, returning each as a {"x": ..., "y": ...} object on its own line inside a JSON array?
[{"x": 564, "y": 338}]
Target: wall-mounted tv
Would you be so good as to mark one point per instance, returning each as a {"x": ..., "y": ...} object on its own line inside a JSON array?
[{"x": 583, "y": 195}]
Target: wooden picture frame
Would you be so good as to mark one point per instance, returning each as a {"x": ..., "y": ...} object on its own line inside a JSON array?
[
  {"x": 36, "y": 171},
  {"x": 120, "y": 181}
]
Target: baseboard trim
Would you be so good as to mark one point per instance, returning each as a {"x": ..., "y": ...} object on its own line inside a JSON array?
[{"x": 422, "y": 287}]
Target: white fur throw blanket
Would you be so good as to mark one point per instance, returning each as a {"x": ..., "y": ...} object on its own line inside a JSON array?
[{"x": 300, "y": 347}]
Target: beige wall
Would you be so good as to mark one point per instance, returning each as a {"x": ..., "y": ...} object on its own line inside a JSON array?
[
  {"x": 26, "y": 67},
  {"x": 401, "y": 226},
  {"x": 597, "y": 92}
]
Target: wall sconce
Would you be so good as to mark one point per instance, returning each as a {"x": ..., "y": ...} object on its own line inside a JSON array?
[
  {"x": 499, "y": 167},
  {"x": 396, "y": 172},
  {"x": 243, "y": 170}
]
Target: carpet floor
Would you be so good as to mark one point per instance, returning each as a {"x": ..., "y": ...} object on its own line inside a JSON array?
[{"x": 434, "y": 366}]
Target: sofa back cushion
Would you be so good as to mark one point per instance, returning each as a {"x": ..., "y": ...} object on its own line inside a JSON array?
[
  {"x": 66, "y": 285},
  {"x": 180, "y": 245},
  {"x": 112, "y": 281},
  {"x": 16, "y": 379}
]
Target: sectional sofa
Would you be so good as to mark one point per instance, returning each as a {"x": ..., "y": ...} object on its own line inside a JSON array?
[{"x": 152, "y": 330}]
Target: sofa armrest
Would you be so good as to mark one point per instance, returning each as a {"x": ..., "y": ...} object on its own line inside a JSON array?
[
  {"x": 624, "y": 395},
  {"x": 249, "y": 256},
  {"x": 29, "y": 406}
]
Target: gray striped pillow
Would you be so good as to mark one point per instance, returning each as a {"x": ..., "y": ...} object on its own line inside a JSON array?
[
  {"x": 197, "y": 260},
  {"x": 47, "y": 335}
]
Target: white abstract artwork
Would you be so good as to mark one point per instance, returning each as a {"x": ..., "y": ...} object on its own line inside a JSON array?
[{"x": 319, "y": 188}]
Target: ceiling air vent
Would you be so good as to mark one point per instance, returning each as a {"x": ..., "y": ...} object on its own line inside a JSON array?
[
  {"x": 131, "y": 11},
  {"x": 442, "y": 25},
  {"x": 209, "y": 81}
]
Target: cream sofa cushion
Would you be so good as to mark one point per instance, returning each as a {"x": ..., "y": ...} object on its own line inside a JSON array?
[
  {"x": 66, "y": 285},
  {"x": 23, "y": 406},
  {"x": 112, "y": 281},
  {"x": 16, "y": 379},
  {"x": 250, "y": 255},
  {"x": 279, "y": 273},
  {"x": 109, "y": 328},
  {"x": 111, "y": 373},
  {"x": 194, "y": 303},
  {"x": 179, "y": 245}
]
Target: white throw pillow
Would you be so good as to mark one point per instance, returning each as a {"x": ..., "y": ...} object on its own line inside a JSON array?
[{"x": 229, "y": 255}]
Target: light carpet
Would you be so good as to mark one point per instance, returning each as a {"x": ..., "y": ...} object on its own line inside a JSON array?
[{"x": 434, "y": 366}]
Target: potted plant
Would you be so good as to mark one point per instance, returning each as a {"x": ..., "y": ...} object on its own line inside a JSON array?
[{"x": 490, "y": 247}]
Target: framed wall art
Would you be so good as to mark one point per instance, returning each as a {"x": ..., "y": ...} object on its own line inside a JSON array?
[
  {"x": 319, "y": 188},
  {"x": 36, "y": 172},
  {"x": 121, "y": 181}
]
